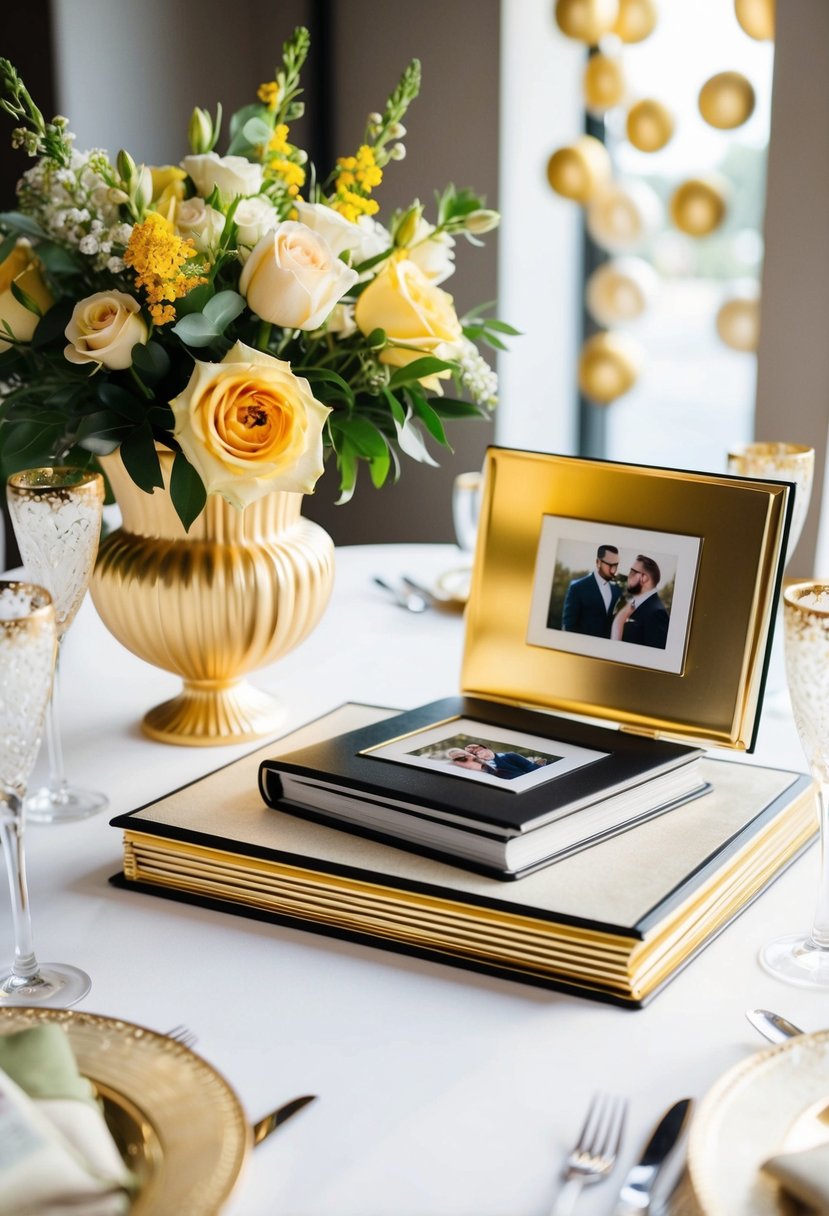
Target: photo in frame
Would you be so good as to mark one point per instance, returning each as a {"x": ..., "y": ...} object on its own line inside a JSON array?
[
  {"x": 492, "y": 755},
  {"x": 723, "y": 536},
  {"x": 586, "y": 574}
]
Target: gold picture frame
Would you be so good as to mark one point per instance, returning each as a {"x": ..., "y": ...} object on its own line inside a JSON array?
[{"x": 721, "y": 540}]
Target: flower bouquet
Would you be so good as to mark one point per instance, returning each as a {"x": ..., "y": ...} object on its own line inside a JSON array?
[{"x": 237, "y": 309}]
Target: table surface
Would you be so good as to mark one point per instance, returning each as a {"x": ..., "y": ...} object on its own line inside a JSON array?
[{"x": 441, "y": 1092}]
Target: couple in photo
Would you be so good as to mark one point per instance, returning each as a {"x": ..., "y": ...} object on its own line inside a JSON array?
[
  {"x": 477, "y": 757},
  {"x": 595, "y": 605}
]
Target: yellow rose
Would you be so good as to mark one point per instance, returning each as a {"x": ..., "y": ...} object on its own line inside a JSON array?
[
  {"x": 248, "y": 425},
  {"x": 168, "y": 188},
  {"x": 20, "y": 268},
  {"x": 418, "y": 317},
  {"x": 293, "y": 278},
  {"x": 103, "y": 329}
]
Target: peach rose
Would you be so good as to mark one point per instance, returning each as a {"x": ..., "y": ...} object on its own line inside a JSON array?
[
  {"x": 104, "y": 328},
  {"x": 248, "y": 425},
  {"x": 292, "y": 278},
  {"x": 20, "y": 268}
]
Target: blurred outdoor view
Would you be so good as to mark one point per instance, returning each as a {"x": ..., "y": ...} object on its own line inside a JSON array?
[{"x": 695, "y": 395}]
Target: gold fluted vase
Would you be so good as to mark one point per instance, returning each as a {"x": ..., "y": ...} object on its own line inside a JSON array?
[{"x": 236, "y": 592}]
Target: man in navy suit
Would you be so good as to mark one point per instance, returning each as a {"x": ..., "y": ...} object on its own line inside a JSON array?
[
  {"x": 644, "y": 619},
  {"x": 590, "y": 601}
]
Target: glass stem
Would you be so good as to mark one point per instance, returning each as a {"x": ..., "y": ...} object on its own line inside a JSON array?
[
  {"x": 54, "y": 747},
  {"x": 820, "y": 927},
  {"x": 11, "y": 834}
]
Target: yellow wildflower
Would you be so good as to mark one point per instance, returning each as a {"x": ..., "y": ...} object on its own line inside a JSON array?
[
  {"x": 158, "y": 256},
  {"x": 279, "y": 140},
  {"x": 269, "y": 93},
  {"x": 357, "y": 177}
]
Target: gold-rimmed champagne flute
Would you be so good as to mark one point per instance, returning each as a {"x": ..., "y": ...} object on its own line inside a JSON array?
[
  {"x": 28, "y": 647},
  {"x": 779, "y": 461},
  {"x": 803, "y": 959},
  {"x": 56, "y": 515}
]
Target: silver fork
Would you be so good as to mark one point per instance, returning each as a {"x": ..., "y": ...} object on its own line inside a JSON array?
[
  {"x": 182, "y": 1035},
  {"x": 594, "y": 1154}
]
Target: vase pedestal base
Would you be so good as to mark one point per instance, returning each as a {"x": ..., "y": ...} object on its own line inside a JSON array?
[{"x": 208, "y": 713}]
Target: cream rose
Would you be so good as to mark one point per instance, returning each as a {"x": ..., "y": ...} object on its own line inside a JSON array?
[
  {"x": 418, "y": 317},
  {"x": 103, "y": 329},
  {"x": 363, "y": 240},
  {"x": 203, "y": 225},
  {"x": 293, "y": 279},
  {"x": 234, "y": 175},
  {"x": 434, "y": 255},
  {"x": 253, "y": 217},
  {"x": 248, "y": 425},
  {"x": 20, "y": 268}
]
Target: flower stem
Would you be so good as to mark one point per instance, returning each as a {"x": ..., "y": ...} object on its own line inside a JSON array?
[{"x": 264, "y": 335}]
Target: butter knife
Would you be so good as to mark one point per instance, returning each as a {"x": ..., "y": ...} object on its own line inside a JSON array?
[
  {"x": 264, "y": 1127},
  {"x": 655, "y": 1172}
]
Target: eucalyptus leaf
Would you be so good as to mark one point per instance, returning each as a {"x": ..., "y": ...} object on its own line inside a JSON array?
[
  {"x": 223, "y": 308},
  {"x": 57, "y": 260},
  {"x": 195, "y": 300},
  {"x": 186, "y": 490},
  {"x": 21, "y": 223},
  {"x": 195, "y": 330},
  {"x": 257, "y": 131},
  {"x": 242, "y": 116}
]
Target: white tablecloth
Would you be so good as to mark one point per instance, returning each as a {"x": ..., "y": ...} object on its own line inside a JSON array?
[{"x": 441, "y": 1092}]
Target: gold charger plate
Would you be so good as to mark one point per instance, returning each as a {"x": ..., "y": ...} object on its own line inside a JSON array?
[
  {"x": 177, "y": 1123},
  {"x": 754, "y": 1111}
]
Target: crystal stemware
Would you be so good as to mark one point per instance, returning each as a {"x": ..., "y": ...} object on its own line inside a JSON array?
[
  {"x": 804, "y": 958},
  {"x": 56, "y": 515},
  {"x": 28, "y": 647}
]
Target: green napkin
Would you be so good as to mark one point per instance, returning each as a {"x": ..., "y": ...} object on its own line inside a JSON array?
[{"x": 40, "y": 1060}]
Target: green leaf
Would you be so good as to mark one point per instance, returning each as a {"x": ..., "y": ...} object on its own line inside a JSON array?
[
  {"x": 7, "y": 246},
  {"x": 397, "y": 411},
  {"x": 57, "y": 259},
  {"x": 347, "y": 466},
  {"x": 52, "y": 324},
  {"x": 359, "y": 432},
  {"x": 324, "y": 375},
  {"x": 161, "y": 417},
  {"x": 428, "y": 417},
  {"x": 141, "y": 459},
  {"x": 17, "y": 222},
  {"x": 120, "y": 402},
  {"x": 417, "y": 370},
  {"x": 452, "y": 407},
  {"x": 239, "y": 119},
  {"x": 379, "y": 468},
  {"x": 151, "y": 361},
  {"x": 195, "y": 330},
  {"x": 257, "y": 131},
  {"x": 502, "y": 327},
  {"x": 25, "y": 299},
  {"x": 186, "y": 490},
  {"x": 195, "y": 300},
  {"x": 30, "y": 437},
  {"x": 222, "y": 309},
  {"x": 102, "y": 432}
]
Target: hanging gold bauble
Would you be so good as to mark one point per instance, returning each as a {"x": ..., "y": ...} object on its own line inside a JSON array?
[
  {"x": 649, "y": 125},
  {"x": 698, "y": 206},
  {"x": 623, "y": 215},
  {"x": 738, "y": 321},
  {"x": 620, "y": 290},
  {"x": 609, "y": 366},
  {"x": 756, "y": 17},
  {"x": 579, "y": 170},
  {"x": 586, "y": 20},
  {"x": 636, "y": 20},
  {"x": 604, "y": 83},
  {"x": 726, "y": 100}
]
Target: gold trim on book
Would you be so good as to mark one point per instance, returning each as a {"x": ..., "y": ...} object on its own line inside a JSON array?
[{"x": 735, "y": 526}]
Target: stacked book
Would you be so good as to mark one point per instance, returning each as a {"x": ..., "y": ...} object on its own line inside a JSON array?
[{"x": 614, "y": 921}]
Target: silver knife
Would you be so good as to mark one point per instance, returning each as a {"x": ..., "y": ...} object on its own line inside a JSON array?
[
  {"x": 650, "y": 1176},
  {"x": 772, "y": 1026}
]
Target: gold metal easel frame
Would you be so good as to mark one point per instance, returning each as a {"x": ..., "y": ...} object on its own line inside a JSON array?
[{"x": 730, "y": 536}]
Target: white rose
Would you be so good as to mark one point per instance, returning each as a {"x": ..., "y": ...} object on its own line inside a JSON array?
[
  {"x": 293, "y": 279},
  {"x": 202, "y": 224},
  {"x": 254, "y": 217},
  {"x": 233, "y": 175},
  {"x": 363, "y": 240},
  {"x": 103, "y": 329},
  {"x": 434, "y": 255},
  {"x": 341, "y": 321}
]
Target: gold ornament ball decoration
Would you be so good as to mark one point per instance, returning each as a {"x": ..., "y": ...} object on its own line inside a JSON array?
[
  {"x": 623, "y": 215},
  {"x": 636, "y": 20},
  {"x": 738, "y": 321},
  {"x": 649, "y": 125},
  {"x": 698, "y": 206},
  {"x": 609, "y": 366},
  {"x": 579, "y": 170},
  {"x": 586, "y": 20},
  {"x": 604, "y": 83},
  {"x": 756, "y": 17},
  {"x": 727, "y": 100},
  {"x": 620, "y": 290}
]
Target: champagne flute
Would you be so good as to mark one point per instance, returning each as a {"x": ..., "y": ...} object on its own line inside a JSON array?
[
  {"x": 56, "y": 514},
  {"x": 28, "y": 646},
  {"x": 804, "y": 958}
]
